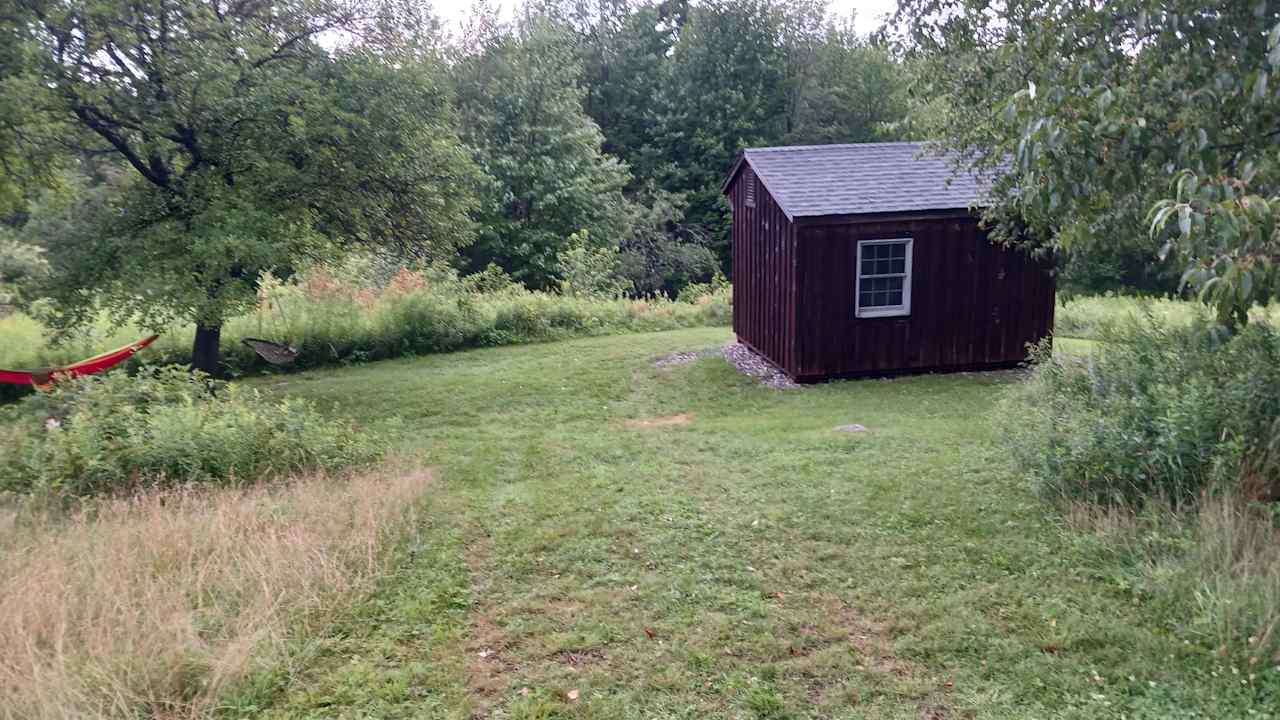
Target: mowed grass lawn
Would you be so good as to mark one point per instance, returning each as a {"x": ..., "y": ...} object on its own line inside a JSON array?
[{"x": 608, "y": 539}]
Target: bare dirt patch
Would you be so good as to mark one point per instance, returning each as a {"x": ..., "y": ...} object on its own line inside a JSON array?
[
  {"x": 580, "y": 658},
  {"x": 871, "y": 638},
  {"x": 934, "y": 712},
  {"x": 833, "y": 630},
  {"x": 659, "y": 422},
  {"x": 488, "y": 667},
  {"x": 487, "y": 646}
]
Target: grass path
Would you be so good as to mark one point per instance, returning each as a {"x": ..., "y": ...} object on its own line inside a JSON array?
[{"x": 743, "y": 561}]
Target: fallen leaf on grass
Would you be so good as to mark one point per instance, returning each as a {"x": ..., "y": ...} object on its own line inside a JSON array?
[{"x": 649, "y": 632}]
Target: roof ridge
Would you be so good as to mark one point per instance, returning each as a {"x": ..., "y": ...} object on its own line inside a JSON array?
[{"x": 829, "y": 146}]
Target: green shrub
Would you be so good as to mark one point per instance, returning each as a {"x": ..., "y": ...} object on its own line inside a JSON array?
[
  {"x": 337, "y": 320},
  {"x": 1163, "y": 445},
  {"x": 163, "y": 426},
  {"x": 1157, "y": 410}
]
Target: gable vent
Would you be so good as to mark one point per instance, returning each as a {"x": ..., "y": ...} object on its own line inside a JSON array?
[{"x": 749, "y": 192}]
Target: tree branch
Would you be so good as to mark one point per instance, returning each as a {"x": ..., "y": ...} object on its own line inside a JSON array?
[{"x": 154, "y": 172}]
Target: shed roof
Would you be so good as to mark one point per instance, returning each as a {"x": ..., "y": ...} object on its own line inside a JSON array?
[{"x": 813, "y": 180}]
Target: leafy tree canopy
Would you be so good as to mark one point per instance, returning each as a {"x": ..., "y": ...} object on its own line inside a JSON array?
[
  {"x": 1135, "y": 128},
  {"x": 252, "y": 136},
  {"x": 521, "y": 100}
]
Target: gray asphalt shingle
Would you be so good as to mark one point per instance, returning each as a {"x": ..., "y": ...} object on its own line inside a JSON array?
[{"x": 809, "y": 180}]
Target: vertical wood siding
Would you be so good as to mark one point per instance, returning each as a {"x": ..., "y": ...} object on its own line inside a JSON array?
[
  {"x": 764, "y": 274},
  {"x": 973, "y": 304}
]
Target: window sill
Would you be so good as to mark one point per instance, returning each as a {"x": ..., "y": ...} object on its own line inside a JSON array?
[{"x": 883, "y": 312}]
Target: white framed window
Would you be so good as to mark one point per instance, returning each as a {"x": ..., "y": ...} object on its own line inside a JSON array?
[{"x": 884, "y": 278}]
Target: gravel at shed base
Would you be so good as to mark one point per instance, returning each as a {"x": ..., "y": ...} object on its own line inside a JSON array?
[
  {"x": 749, "y": 363},
  {"x": 681, "y": 358}
]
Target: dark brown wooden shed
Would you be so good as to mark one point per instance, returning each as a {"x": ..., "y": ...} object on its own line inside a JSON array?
[{"x": 857, "y": 260}]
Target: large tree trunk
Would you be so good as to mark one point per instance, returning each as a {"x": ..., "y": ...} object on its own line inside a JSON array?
[{"x": 204, "y": 352}]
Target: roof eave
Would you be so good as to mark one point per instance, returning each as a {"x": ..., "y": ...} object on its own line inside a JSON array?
[
  {"x": 733, "y": 173},
  {"x": 889, "y": 215},
  {"x": 737, "y": 167}
]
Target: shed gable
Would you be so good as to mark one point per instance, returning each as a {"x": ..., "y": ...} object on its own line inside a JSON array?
[{"x": 866, "y": 178}]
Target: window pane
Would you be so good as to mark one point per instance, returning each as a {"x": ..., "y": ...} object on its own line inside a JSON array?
[
  {"x": 882, "y": 275},
  {"x": 884, "y": 259}
]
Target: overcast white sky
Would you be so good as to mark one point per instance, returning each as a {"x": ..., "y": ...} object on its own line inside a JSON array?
[{"x": 869, "y": 13}]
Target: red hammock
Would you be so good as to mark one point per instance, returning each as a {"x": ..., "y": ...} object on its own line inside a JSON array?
[{"x": 44, "y": 377}]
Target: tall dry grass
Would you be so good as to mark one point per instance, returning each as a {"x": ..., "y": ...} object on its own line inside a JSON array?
[
  {"x": 1089, "y": 316},
  {"x": 154, "y": 605},
  {"x": 1213, "y": 569}
]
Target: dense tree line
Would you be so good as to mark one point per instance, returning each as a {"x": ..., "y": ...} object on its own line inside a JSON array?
[
  {"x": 165, "y": 154},
  {"x": 158, "y": 157},
  {"x": 670, "y": 91}
]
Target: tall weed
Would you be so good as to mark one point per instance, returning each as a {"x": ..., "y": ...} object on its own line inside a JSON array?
[
  {"x": 154, "y": 605},
  {"x": 343, "y": 318},
  {"x": 1212, "y": 569},
  {"x": 1090, "y": 316},
  {"x": 1155, "y": 410},
  {"x": 1164, "y": 443},
  {"x": 112, "y": 432}
]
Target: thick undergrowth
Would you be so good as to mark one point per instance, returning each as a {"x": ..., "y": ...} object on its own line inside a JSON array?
[{"x": 1165, "y": 442}]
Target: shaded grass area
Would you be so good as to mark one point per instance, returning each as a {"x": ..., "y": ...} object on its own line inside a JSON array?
[{"x": 750, "y": 562}]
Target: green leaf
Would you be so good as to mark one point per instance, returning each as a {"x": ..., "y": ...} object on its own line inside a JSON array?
[
  {"x": 1160, "y": 217},
  {"x": 1105, "y": 100}
]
